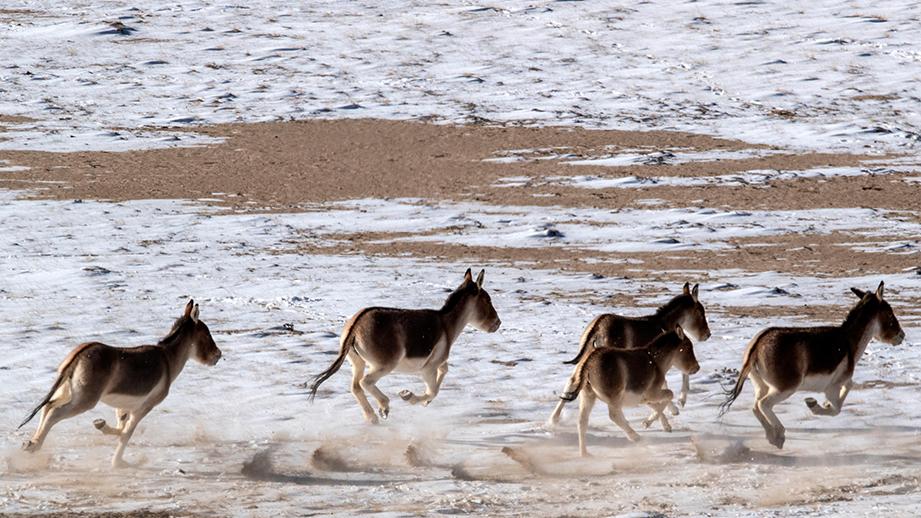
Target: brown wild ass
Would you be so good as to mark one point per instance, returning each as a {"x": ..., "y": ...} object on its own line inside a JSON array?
[
  {"x": 611, "y": 330},
  {"x": 628, "y": 377},
  {"x": 132, "y": 380},
  {"x": 408, "y": 340},
  {"x": 783, "y": 360}
]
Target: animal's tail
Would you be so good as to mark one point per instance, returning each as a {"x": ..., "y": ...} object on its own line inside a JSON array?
[
  {"x": 577, "y": 379},
  {"x": 747, "y": 361},
  {"x": 586, "y": 341},
  {"x": 345, "y": 345},
  {"x": 64, "y": 372}
]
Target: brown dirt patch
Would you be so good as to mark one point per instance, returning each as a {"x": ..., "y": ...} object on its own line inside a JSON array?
[{"x": 279, "y": 166}]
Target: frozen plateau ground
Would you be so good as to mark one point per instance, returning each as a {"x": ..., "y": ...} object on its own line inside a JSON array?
[{"x": 564, "y": 231}]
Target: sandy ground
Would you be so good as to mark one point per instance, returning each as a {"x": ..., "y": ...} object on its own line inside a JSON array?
[{"x": 296, "y": 166}]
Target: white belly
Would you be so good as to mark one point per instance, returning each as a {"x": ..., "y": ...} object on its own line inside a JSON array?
[
  {"x": 130, "y": 402},
  {"x": 432, "y": 361},
  {"x": 632, "y": 399},
  {"x": 820, "y": 382}
]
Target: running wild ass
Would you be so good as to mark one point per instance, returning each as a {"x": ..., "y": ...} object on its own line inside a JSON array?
[
  {"x": 408, "y": 340},
  {"x": 628, "y": 377},
  {"x": 132, "y": 380},
  {"x": 611, "y": 330},
  {"x": 783, "y": 360}
]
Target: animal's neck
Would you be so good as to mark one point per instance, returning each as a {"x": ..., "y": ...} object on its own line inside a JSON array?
[
  {"x": 663, "y": 353},
  {"x": 177, "y": 351},
  {"x": 669, "y": 318},
  {"x": 455, "y": 319},
  {"x": 859, "y": 330}
]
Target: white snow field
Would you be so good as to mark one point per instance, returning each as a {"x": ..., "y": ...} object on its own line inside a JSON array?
[
  {"x": 829, "y": 75},
  {"x": 241, "y": 439},
  {"x": 120, "y": 273}
]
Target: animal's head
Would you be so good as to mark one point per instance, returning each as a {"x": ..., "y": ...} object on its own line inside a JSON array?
[
  {"x": 888, "y": 328},
  {"x": 685, "y": 360},
  {"x": 693, "y": 317},
  {"x": 483, "y": 314},
  {"x": 203, "y": 347}
]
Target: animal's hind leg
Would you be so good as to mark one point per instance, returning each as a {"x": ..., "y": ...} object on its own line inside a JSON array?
[
  {"x": 121, "y": 417},
  {"x": 777, "y": 435},
  {"x": 358, "y": 372},
  {"x": 586, "y": 402},
  {"x": 368, "y": 383},
  {"x": 53, "y": 414},
  {"x": 558, "y": 411}
]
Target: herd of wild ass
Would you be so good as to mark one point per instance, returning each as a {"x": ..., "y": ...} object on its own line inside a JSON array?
[{"x": 622, "y": 361}]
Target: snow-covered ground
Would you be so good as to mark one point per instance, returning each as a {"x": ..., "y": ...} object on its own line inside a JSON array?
[
  {"x": 241, "y": 439},
  {"x": 121, "y": 272},
  {"x": 827, "y": 75}
]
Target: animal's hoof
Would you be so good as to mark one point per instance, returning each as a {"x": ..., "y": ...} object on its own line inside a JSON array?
[
  {"x": 384, "y": 412},
  {"x": 811, "y": 402},
  {"x": 674, "y": 410},
  {"x": 667, "y": 428},
  {"x": 99, "y": 423},
  {"x": 30, "y": 446},
  {"x": 681, "y": 402},
  {"x": 777, "y": 440},
  {"x": 633, "y": 438},
  {"x": 585, "y": 454},
  {"x": 120, "y": 464},
  {"x": 406, "y": 395},
  {"x": 647, "y": 423}
]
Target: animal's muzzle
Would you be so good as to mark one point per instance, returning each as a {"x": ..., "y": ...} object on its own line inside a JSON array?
[
  {"x": 495, "y": 326},
  {"x": 694, "y": 370},
  {"x": 216, "y": 358},
  {"x": 899, "y": 338}
]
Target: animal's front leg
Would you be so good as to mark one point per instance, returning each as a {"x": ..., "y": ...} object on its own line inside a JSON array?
[
  {"x": 432, "y": 380},
  {"x": 835, "y": 394},
  {"x": 685, "y": 387},
  {"x": 130, "y": 425},
  {"x": 121, "y": 417}
]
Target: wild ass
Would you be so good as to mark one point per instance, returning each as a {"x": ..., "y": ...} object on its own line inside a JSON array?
[
  {"x": 408, "y": 340},
  {"x": 783, "y": 360},
  {"x": 627, "y": 377},
  {"x": 611, "y": 330},
  {"x": 132, "y": 380}
]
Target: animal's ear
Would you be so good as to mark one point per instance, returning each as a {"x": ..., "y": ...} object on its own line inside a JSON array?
[
  {"x": 859, "y": 293},
  {"x": 879, "y": 291},
  {"x": 479, "y": 278},
  {"x": 194, "y": 314},
  {"x": 188, "y": 308},
  {"x": 679, "y": 332},
  {"x": 468, "y": 276},
  {"x": 694, "y": 291},
  {"x": 687, "y": 288}
]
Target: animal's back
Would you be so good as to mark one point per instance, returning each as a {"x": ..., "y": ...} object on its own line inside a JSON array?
[
  {"x": 418, "y": 330},
  {"x": 627, "y": 332}
]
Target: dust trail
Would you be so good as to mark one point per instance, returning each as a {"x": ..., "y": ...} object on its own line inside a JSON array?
[
  {"x": 18, "y": 461},
  {"x": 326, "y": 458},
  {"x": 261, "y": 467}
]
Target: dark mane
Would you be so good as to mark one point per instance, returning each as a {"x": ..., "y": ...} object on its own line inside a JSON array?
[
  {"x": 455, "y": 297},
  {"x": 174, "y": 331},
  {"x": 676, "y": 302},
  {"x": 857, "y": 309}
]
